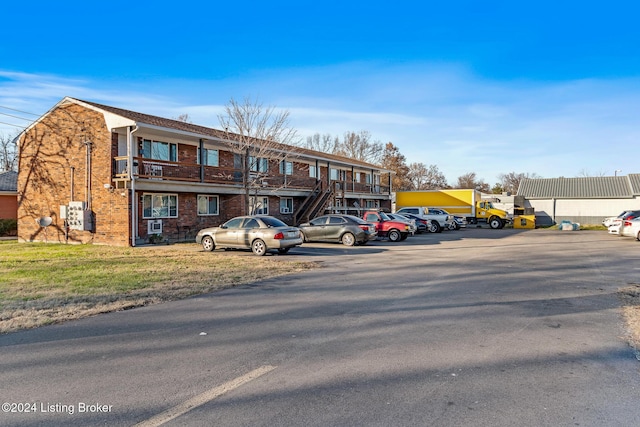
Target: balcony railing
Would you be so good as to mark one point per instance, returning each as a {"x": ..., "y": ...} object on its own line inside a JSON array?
[{"x": 173, "y": 171}]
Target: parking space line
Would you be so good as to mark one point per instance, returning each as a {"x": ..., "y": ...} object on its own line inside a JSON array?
[{"x": 203, "y": 398}]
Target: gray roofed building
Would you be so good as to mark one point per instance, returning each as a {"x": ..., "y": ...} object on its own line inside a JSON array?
[
  {"x": 586, "y": 200},
  {"x": 9, "y": 182}
]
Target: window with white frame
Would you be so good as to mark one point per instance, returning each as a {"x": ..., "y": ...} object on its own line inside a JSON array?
[
  {"x": 208, "y": 205},
  {"x": 258, "y": 164},
  {"x": 159, "y": 205},
  {"x": 338, "y": 174},
  {"x": 367, "y": 178},
  {"x": 286, "y": 168},
  {"x": 313, "y": 171},
  {"x": 286, "y": 205},
  {"x": 210, "y": 158},
  {"x": 357, "y": 177},
  {"x": 259, "y": 205},
  {"x": 159, "y": 150}
]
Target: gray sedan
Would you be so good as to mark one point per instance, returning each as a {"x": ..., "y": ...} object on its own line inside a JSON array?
[
  {"x": 259, "y": 233},
  {"x": 346, "y": 229}
]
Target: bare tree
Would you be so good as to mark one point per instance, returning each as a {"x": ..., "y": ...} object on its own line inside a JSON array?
[
  {"x": 469, "y": 180},
  {"x": 184, "y": 117},
  {"x": 584, "y": 173},
  {"x": 426, "y": 177},
  {"x": 324, "y": 143},
  {"x": 395, "y": 161},
  {"x": 8, "y": 152},
  {"x": 256, "y": 135},
  {"x": 359, "y": 146},
  {"x": 510, "y": 182}
]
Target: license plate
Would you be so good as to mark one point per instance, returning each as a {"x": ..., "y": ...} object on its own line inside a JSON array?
[{"x": 292, "y": 234}]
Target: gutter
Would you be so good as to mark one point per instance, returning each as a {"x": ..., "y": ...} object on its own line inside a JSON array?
[{"x": 134, "y": 201}]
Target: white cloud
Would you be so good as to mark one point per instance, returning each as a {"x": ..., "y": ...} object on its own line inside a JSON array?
[{"x": 436, "y": 114}]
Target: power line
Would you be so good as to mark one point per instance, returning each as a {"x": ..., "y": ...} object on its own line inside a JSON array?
[
  {"x": 19, "y": 111},
  {"x": 11, "y": 124},
  {"x": 16, "y": 117}
]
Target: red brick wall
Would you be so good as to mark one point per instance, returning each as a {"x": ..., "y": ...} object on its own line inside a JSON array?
[
  {"x": 53, "y": 154},
  {"x": 8, "y": 207}
]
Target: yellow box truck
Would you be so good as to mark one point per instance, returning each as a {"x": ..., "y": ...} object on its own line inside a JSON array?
[{"x": 459, "y": 202}]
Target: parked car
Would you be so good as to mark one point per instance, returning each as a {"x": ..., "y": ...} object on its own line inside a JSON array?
[
  {"x": 608, "y": 221},
  {"x": 422, "y": 225},
  {"x": 260, "y": 233},
  {"x": 631, "y": 228},
  {"x": 458, "y": 221},
  {"x": 386, "y": 227},
  {"x": 346, "y": 229},
  {"x": 439, "y": 221},
  {"x": 617, "y": 224},
  {"x": 413, "y": 228}
]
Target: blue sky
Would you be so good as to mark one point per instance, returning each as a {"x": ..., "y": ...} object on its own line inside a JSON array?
[{"x": 492, "y": 87}]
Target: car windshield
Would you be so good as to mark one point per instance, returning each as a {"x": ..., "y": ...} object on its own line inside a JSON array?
[
  {"x": 272, "y": 222},
  {"x": 384, "y": 216}
]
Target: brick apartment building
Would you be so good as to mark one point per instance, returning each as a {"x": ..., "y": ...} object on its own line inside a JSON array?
[
  {"x": 91, "y": 173},
  {"x": 8, "y": 195}
]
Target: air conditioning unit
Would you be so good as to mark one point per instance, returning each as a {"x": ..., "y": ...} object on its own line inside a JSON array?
[
  {"x": 285, "y": 210},
  {"x": 154, "y": 226}
]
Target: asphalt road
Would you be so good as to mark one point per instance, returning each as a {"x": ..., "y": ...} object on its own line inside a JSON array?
[{"x": 470, "y": 328}]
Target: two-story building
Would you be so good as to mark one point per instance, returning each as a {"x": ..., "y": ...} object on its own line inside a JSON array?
[{"x": 91, "y": 173}]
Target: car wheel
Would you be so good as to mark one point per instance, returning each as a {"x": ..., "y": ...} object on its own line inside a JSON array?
[
  {"x": 283, "y": 251},
  {"x": 208, "y": 244},
  {"x": 495, "y": 222},
  {"x": 435, "y": 227},
  {"x": 404, "y": 236},
  {"x": 456, "y": 226},
  {"x": 638, "y": 236},
  {"x": 348, "y": 239},
  {"x": 258, "y": 247},
  {"x": 394, "y": 235}
]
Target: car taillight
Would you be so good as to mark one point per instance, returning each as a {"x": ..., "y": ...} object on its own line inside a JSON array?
[
  {"x": 364, "y": 227},
  {"x": 279, "y": 236},
  {"x": 627, "y": 223}
]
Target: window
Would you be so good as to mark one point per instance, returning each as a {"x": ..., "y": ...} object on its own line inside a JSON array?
[
  {"x": 372, "y": 204},
  {"x": 259, "y": 205},
  {"x": 286, "y": 168},
  {"x": 208, "y": 205},
  {"x": 251, "y": 223},
  {"x": 286, "y": 205},
  {"x": 159, "y": 150},
  {"x": 258, "y": 164},
  {"x": 336, "y": 220},
  {"x": 338, "y": 175},
  {"x": 313, "y": 171},
  {"x": 321, "y": 220},
  {"x": 211, "y": 157},
  {"x": 357, "y": 177},
  {"x": 368, "y": 178},
  {"x": 233, "y": 223},
  {"x": 159, "y": 205}
]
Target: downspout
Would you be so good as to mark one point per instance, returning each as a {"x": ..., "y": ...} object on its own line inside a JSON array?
[
  {"x": 134, "y": 199},
  {"x": 201, "y": 152}
]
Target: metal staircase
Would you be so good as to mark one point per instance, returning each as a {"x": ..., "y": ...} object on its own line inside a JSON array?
[{"x": 314, "y": 204}]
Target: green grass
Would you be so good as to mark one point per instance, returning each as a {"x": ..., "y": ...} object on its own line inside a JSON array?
[{"x": 44, "y": 283}]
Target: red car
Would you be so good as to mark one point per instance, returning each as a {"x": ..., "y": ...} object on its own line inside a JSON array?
[{"x": 386, "y": 227}]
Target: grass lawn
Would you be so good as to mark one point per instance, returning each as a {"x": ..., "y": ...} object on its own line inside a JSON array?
[{"x": 44, "y": 283}]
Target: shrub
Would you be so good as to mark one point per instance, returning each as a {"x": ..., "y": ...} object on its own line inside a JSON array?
[{"x": 8, "y": 227}]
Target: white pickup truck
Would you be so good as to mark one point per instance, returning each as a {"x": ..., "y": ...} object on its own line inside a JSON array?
[{"x": 443, "y": 221}]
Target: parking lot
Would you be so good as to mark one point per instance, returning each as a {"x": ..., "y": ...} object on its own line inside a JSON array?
[{"x": 469, "y": 327}]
